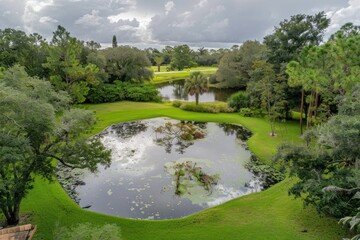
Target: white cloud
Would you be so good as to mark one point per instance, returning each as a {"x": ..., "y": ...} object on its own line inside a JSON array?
[
  {"x": 32, "y": 13},
  {"x": 168, "y": 7},
  {"x": 47, "y": 19},
  {"x": 339, "y": 17},
  {"x": 92, "y": 19},
  {"x": 37, "y": 6},
  {"x": 202, "y": 3}
]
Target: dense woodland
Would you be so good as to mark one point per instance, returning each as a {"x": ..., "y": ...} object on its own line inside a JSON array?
[{"x": 292, "y": 71}]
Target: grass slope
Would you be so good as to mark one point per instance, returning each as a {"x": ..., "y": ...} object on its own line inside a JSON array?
[{"x": 270, "y": 214}]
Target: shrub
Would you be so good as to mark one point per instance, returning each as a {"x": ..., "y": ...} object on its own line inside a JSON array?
[
  {"x": 142, "y": 93},
  {"x": 123, "y": 91},
  {"x": 215, "y": 107},
  {"x": 106, "y": 93},
  {"x": 239, "y": 100},
  {"x": 251, "y": 112},
  {"x": 177, "y": 103},
  {"x": 212, "y": 79}
]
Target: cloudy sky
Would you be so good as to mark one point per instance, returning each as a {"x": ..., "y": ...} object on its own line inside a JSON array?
[{"x": 209, "y": 23}]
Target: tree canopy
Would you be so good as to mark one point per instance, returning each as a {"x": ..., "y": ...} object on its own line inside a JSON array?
[{"x": 37, "y": 126}]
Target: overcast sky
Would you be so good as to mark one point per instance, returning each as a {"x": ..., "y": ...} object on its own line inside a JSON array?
[{"x": 209, "y": 23}]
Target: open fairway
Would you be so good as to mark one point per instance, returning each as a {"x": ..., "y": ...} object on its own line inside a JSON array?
[
  {"x": 164, "y": 76},
  {"x": 270, "y": 214}
]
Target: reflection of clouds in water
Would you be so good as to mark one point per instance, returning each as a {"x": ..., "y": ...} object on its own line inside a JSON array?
[
  {"x": 129, "y": 154},
  {"x": 229, "y": 193}
]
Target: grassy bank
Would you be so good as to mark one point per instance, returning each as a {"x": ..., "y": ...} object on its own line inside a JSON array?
[
  {"x": 270, "y": 214},
  {"x": 164, "y": 76}
]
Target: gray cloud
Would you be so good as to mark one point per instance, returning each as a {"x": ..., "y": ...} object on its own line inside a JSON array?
[{"x": 212, "y": 23}]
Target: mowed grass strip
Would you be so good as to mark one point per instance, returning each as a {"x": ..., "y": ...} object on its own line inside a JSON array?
[{"x": 270, "y": 214}]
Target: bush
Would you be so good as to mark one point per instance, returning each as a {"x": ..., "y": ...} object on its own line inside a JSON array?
[
  {"x": 212, "y": 79},
  {"x": 123, "y": 91},
  {"x": 239, "y": 100},
  {"x": 177, "y": 103},
  {"x": 251, "y": 112},
  {"x": 215, "y": 107},
  {"x": 142, "y": 93}
]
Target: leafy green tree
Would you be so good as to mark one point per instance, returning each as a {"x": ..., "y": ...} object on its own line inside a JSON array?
[
  {"x": 323, "y": 72},
  {"x": 167, "y": 53},
  {"x": 114, "y": 42},
  {"x": 159, "y": 60},
  {"x": 28, "y": 51},
  {"x": 92, "y": 45},
  {"x": 270, "y": 90},
  {"x": 37, "y": 126},
  {"x": 127, "y": 64},
  {"x": 347, "y": 30},
  {"x": 291, "y": 36},
  {"x": 235, "y": 65},
  {"x": 196, "y": 85},
  {"x": 328, "y": 162},
  {"x": 181, "y": 57},
  {"x": 67, "y": 72}
]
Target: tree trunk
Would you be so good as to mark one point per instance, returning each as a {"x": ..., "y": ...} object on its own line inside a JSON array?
[
  {"x": 302, "y": 110},
  {"x": 197, "y": 98},
  {"x": 316, "y": 105},
  {"x": 310, "y": 111},
  {"x": 12, "y": 215},
  {"x": 158, "y": 68}
]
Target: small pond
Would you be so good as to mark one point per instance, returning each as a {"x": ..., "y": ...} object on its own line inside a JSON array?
[
  {"x": 157, "y": 173},
  {"x": 175, "y": 91}
]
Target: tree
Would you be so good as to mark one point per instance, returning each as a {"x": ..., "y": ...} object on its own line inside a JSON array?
[
  {"x": 181, "y": 57},
  {"x": 269, "y": 89},
  {"x": 127, "y": 64},
  {"x": 37, "y": 126},
  {"x": 328, "y": 164},
  {"x": 29, "y": 51},
  {"x": 235, "y": 65},
  {"x": 291, "y": 36},
  {"x": 114, "y": 42},
  {"x": 324, "y": 72},
  {"x": 196, "y": 85},
  {"x": 159, "y": 59},
  {"x": 67, "y": 72}
]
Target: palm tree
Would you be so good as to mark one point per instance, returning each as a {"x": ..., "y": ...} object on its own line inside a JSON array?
[{"x": 196, "y": 85}]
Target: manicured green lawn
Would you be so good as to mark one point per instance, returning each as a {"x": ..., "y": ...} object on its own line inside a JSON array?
[
  {"x": 270, "y": 214},
  {"x": 164, "y": 76}
]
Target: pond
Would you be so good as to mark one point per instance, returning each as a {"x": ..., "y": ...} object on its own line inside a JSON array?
[
  {"x": 175, "y": 91},
  {"x": 158, "y": 171}
]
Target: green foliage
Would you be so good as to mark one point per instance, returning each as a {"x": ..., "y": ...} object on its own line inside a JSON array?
[
  {"x": 353, "y": 222},
  {"x": 251, "y": 112},
  {"x": 235, "y": 65},
  {"x": 67, "y": 72},
  {"x": 239, "y": 100},
  {"x": 123, "y": 91},
  {"x": 87, "y": 231},
  {"x": 181, "y": 57},
  {"x": 196, "y": 85},
  {"x": 114, "y": 42},
  {"x": 267, "y": 91},
  {"x": 32, "y": 135},
  {"x": 216, "y": 107},
  {"x": 127, "y": 64},
  {"x": 291, "y": 36},
  {"x": 27, "y": 50},
  {"x": 329, "y": 158}
]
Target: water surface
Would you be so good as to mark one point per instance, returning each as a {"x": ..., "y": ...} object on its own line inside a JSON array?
[
  {"x": 175, "y": 91},
  {"x": 141, "y": 184}
]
